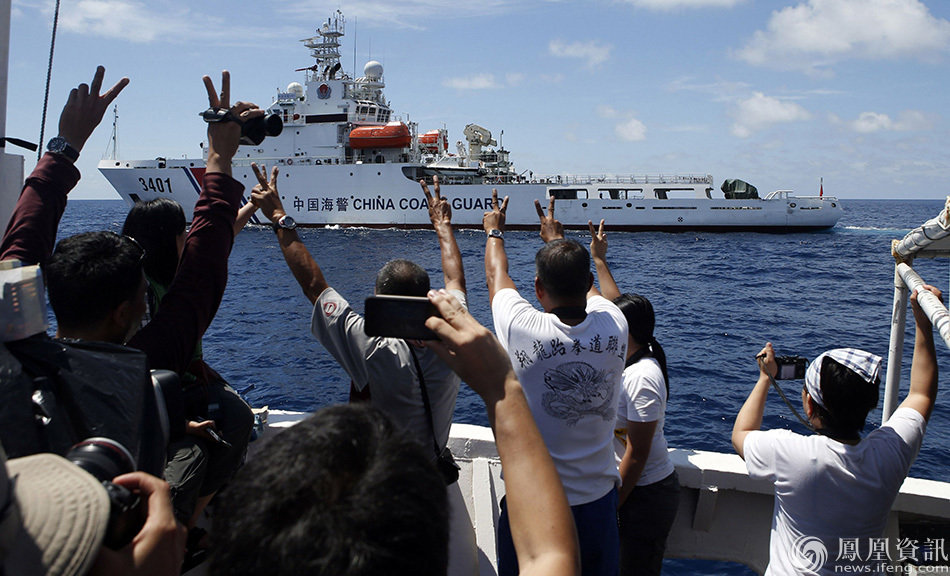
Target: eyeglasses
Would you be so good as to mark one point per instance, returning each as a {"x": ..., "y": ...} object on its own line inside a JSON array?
[{"x": 134, "y": 242}]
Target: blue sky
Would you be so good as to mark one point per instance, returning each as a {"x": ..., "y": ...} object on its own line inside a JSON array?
[{"x": 778, "y": 93}]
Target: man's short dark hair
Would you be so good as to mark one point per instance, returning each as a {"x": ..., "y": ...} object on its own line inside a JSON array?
[
  {"x": 342, "y": 493},
  {"x": 89, "y": 275},
  {"x": 402, "y": 278},
  {"x": 848, "y": 398},
  {"x": 563, "y": 268}
]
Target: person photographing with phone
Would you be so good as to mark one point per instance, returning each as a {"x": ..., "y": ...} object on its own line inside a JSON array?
[
  {"x": 403, "y": 378},
  {"x": 835, "y": 486}
]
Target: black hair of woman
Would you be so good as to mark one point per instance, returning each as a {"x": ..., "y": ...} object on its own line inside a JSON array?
[
  {"x": 157, "y": 226},
  {"x": 641, "y": 321}
]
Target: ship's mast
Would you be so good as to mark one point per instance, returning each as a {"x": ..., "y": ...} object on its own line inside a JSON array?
[{"x": 325, "y": 48}]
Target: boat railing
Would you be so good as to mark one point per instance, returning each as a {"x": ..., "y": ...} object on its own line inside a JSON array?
[
  {"x": 930, "y": 240},
  {"x": 786, "y": 194},
  {"x": 582, "y": 179}
]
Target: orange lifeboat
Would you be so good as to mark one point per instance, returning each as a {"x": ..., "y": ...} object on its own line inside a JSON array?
[
  {"x": 430, "y": 141},
  {"x": 392, "y": 135}
]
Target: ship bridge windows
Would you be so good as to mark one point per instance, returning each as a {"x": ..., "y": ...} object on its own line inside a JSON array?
[
  {"x": 568, "y": 193},
  {"x": 676, "y": 193},
  {"x": 620, "y": 193}
]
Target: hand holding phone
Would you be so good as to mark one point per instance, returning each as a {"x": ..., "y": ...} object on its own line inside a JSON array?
[{"x": 399, "y": 317}]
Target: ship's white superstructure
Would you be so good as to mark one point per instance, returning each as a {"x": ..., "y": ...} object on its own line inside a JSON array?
[{"x": 347, "y": 159}]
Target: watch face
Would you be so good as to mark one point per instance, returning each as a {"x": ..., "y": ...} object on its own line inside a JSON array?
[
  {"x": 287, "y": 222},
  {"x": 57, "y": 144}
]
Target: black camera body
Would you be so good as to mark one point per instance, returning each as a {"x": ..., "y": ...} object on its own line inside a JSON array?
[
  {"x": 105, "y": 459},
  {"x": 254, "y": 130},
  {"x": 791, "y": 367}
]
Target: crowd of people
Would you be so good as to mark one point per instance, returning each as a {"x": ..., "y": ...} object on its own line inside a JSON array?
[{"x": 575, "y": 389}]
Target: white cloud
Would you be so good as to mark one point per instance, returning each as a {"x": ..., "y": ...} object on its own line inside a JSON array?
[
  {"x": 670, "y": 5},
  {"x": 514, "y": 78},
  {"x": 760, "y": 111},
  {"x": 408, "y": 14},
  {"x": 605, "y": 111},
  {"x": 592, "y": 51},
  {"x": 632, "y": 130},
  {"x": 814, "y": 35},
  {"x": 907, "y": 121},
  {"x": 141, "y": 22},
  {"x": 472, "y": 82}
]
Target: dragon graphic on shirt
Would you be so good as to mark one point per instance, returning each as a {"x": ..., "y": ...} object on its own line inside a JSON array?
[{"x": 577, "y": 389}]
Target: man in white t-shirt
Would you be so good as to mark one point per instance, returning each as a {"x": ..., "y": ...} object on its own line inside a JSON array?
[
  {"x": 569, "y": 358},
  {"x": 833, "y": 490}
]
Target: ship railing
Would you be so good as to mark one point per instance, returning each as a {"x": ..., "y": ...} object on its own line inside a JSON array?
[
  {"x": 929, "y": 240},
  {"x": 285, "y": 161},
  {"x": 784, "y": 194},
  {"x": 571, "y": 179}
]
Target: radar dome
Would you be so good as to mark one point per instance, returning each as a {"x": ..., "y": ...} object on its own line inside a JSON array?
[
  {"x": 296, "y": 89},
  {"x": 373, "y": 70}
]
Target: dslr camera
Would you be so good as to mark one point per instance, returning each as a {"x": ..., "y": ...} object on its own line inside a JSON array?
[
  {"x": 254, "y": 130},
  {"x": 790, "y": 367},
  {"x": 105, "y": 459}
]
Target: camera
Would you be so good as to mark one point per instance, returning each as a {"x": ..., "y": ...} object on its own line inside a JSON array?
[
  {"x": 105, "y": 459},
  {"x": 790, "y": 367},
  {"x": 254, "y": 130}
]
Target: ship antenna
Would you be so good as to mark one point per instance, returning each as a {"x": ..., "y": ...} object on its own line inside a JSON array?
[
  {"x": 115, "y": 132},
  {"x": 354, "y": 46}
]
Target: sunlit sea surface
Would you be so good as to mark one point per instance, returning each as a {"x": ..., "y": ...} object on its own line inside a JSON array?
[{"x": 718, "y": 299}]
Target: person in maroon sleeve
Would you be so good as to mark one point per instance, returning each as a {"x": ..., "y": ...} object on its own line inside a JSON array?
[{"x": 95, "y": 280}]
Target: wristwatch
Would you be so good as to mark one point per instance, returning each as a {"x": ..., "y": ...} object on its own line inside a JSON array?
[
  {"x": 286, "y": 222},
  {"x": 496, "y": 233},
  {"x": 59, "y": 145}
]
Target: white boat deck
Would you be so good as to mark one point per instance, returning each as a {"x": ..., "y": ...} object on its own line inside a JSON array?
[{"x": 724, "y": 514}]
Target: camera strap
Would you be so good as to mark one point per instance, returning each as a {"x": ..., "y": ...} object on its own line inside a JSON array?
[
  {"x": 781, "y": 393},
  {"x": 425, "y": 399}
]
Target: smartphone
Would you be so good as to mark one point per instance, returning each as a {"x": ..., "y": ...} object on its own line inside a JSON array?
[
  {"x": 399, "y": 317},
  {"x": 790, "y": 367}
]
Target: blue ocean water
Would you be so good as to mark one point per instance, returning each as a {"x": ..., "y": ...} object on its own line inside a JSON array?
[{"x": 718, "y": 299}]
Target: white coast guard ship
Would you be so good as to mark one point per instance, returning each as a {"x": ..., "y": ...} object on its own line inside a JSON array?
[{"x": 346, "y": 159}]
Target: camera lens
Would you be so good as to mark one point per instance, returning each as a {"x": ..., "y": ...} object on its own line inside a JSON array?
[
  {"x": 256, "y": 129},
  {"x": 103, "y": 458}
]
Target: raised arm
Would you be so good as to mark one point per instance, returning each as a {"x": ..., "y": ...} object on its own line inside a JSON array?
[
  {"x": 750, "y": 415},
  {"x": 31, "y": 232},
  {"x": 440, "y": 213},
  {"x": 496, "y": 260},
  {"x": 598, "y": 253},
  {"x": 187, "y": 310},
  {"x": 244, "y": 216},
  {"x": 923, "y": 368},
  {"x": 222, "y": 144},
  {"x": 304, "y": 268},
  {"x": 542, "y": 527},
  {"x": 551, "y": 228}
]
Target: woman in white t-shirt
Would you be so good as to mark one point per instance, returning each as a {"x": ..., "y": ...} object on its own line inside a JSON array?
[{"x": 649, "y": 494}]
